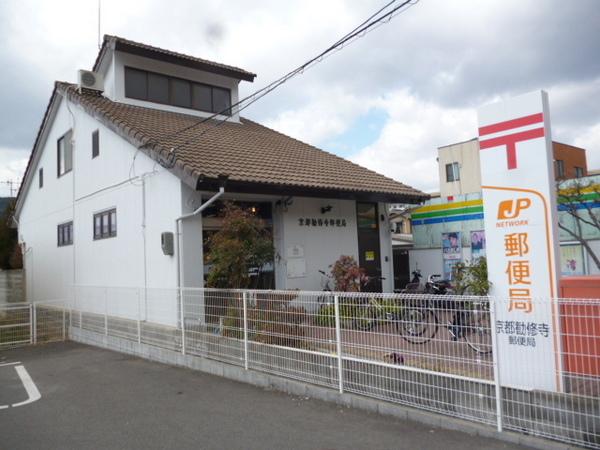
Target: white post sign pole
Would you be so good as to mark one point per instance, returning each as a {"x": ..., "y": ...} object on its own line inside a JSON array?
[{"x": 519, "y": 198}]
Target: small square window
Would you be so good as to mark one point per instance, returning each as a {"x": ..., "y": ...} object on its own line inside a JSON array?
[
  {"x": 560, "y": 168},
  {"x": 181, "y": 93},
  {"x": 105, "y": 224},
  {"x": 64, "y": 233},
  {"x": 158, "y": 88},
  {"x": 65, "y": 153},
  {"x": 452, "y": 172},
  {"x": 578, "y": 172},
  {"x": 136, "y": 83},
  {"x": 202, "y": 97},
  {"x": 221, "y": 101},
  {"x": 95, "y": 143}
]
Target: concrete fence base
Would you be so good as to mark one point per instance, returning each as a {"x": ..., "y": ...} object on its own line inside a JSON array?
[{"x": 293, "y": 387}]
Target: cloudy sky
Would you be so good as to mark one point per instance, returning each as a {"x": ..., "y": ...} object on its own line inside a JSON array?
[{"x": 386, "y": 102}]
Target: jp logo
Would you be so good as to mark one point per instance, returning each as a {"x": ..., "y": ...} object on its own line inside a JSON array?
[{"x": 511, "y": 209}]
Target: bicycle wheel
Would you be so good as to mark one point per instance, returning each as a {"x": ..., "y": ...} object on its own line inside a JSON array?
[
  {"x": 364, "y": 319},
  {"x": 417, "y": 325},
  {"x": 478, "y": 330}
]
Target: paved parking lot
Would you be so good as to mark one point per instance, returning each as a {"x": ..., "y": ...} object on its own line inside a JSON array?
[{"x": 91, "y": 398}]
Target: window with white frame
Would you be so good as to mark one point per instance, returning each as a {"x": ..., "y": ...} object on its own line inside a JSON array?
[
  {"x": 452, "y": 172},
  {"x": 105, "y": 224},
  {"x": 64, "y": 163}
]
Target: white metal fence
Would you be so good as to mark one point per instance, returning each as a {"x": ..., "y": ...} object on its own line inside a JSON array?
[
  {"x": 32, "y": 323},
  {"x": 438, "y": 353}
]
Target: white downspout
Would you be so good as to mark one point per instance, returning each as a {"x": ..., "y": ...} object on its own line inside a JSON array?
[{"x": 178, "y": 232}]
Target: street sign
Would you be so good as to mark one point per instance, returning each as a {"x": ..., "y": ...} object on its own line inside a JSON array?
[{"x": 519, "y": 200}]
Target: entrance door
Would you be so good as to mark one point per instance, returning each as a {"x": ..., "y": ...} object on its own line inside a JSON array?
[
  {"x": 401, "y": 268},
  {"x": 369, "y": 255}
]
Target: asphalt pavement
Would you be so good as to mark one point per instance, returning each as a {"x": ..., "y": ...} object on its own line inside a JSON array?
[{"x": 90, "y": 398}]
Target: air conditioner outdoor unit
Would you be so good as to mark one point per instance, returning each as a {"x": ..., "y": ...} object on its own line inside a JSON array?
[{"x": 90, "y": 80}]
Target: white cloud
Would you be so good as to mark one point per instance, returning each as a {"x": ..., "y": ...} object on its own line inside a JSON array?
[
  {"x": 428, "y": 69},
  {"x": 590, "y": 140},
  {"x": 407, "y": 147},
  {"x": 326, "y": 114}
]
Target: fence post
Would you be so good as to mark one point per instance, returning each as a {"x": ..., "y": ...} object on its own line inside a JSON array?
[
  {"x": 139, "y": 317},
  {"x": 64, "y": 322},
  {"x": 106, "y": 311},
  {"x": 31, "y": 323},
  {"x": 245, "y": 306},
  {"x": 497, "y": 384},
  {"x": 34, "y": 310},
  {"x": 182, "y": 320},
  {"x": 79, "y": 307},
  {"x": 338, "y": 340}
]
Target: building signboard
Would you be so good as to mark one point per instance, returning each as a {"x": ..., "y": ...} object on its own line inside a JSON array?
[{"x": 521, "y": 238}]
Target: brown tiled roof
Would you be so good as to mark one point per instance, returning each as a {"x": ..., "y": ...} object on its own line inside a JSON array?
[
  {"x": 246, "y": 152},
  {"x": 137, "y": 48},
  {"x": 253, "y": 158}
]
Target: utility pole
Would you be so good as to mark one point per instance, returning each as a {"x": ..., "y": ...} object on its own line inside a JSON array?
[{"x": 13, "y": 187}]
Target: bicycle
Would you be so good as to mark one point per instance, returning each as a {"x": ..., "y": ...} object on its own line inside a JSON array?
[
  {"x": 418, "y": 323},
  {"x": 471, "y": 321}
]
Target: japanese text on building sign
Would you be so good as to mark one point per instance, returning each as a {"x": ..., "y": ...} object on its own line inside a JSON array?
[
  {"x": 522, "y": 333},
  {"x": 518, "y": 271},
  {"x": 308, "y": 222}
]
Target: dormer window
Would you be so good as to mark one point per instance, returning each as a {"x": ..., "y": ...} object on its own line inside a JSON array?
[{"x": 167, "y": 90}]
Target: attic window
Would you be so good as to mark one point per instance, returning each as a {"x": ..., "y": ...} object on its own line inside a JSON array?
[{"x": 166, "y": 90}]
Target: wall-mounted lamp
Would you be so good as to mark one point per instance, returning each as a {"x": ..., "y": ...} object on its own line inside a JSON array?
[{"x": 325, "y": 209}]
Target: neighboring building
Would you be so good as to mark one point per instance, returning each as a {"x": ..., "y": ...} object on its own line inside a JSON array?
[
  {"x": 402, "y": 241},
  {"x": 114, "y": 169},
  {"x": 460, "y": 172},
  {"x": 457, "y": 216},
  {"x": 459, "y": 169}
]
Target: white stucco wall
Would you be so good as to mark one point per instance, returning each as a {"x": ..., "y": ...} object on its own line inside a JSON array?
[
  {"x": 320, "y": 245},
  {"x": 94, "y": 185}
]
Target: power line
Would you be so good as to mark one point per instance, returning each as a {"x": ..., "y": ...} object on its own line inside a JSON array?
[{"x": 372, "y": 22}]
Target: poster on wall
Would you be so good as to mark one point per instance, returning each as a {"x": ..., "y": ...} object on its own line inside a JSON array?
[
  {"x": 449, "y": 268},
  {"x": 451, "y": 252},
  {"x": 572, "y": 260},
  {"x": 477, "y": 244}
]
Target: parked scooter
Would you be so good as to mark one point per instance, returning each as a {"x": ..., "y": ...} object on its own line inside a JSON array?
[
  {"x": 415, "y": 286},
  {"x": 437, "y": 286}
]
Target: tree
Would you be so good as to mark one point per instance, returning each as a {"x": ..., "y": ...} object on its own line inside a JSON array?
[
  {"x": 347, "y": 275},
  {"x": 471, "y": 279},
  {"x": 8, "y": 239},
  {"x": 576, "y": 199},
  {"x": 242, "y": 245}
]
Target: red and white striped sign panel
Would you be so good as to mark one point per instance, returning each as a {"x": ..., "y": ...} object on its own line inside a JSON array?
[
  {"x": 517, "y": 177},
  {"x": 509, "y": 133}
]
